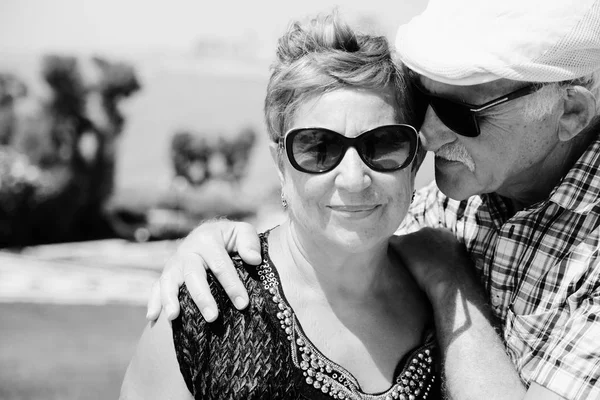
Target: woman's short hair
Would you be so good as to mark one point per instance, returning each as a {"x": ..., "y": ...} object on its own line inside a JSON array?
[{"x": 326, "y": 54}]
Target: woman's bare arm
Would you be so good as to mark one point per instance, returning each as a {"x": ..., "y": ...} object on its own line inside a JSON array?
[{"x": 154, "y": 371}]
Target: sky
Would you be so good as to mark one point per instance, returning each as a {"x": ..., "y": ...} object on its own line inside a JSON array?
[{"x": 123, "y": 26}]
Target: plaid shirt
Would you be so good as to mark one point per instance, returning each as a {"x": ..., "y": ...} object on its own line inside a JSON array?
[{"x": 541, "y": 269}]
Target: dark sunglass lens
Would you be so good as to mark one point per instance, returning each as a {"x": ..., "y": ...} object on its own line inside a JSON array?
[
  {"x": 455, "y": 116},
  {"x": 390, "y": 147},
  {"x": 316, "y": 150}
]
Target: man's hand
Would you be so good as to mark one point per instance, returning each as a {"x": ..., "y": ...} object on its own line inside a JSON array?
[
  {"x": 206, "y": 247},
  {"x": 436, "y": 259}
]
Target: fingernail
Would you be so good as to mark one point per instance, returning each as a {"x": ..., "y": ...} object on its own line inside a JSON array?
[
  {"x": 254, "y": 253},
  {"x": 239, "y": 302},
  {"x": 170, "y": 312},
  {"x": 209, "y": 314}
]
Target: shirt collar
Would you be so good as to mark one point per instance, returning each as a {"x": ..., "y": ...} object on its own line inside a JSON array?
[{"x": 579, "y": 190}]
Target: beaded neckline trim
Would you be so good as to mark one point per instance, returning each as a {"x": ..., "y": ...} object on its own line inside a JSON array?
[{"x": 414, "y": 382}]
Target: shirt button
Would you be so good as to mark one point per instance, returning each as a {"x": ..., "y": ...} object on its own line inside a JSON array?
[{"x": 496, "y": 302}]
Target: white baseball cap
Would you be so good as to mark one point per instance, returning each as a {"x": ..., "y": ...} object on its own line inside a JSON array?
[{"x": 467, "y": 42}]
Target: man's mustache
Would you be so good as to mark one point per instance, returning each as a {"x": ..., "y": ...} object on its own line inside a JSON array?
[{"x": 456, "y": 152}]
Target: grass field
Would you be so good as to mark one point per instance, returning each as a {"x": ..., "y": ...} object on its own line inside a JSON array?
[{"x": 65, "y": 352}]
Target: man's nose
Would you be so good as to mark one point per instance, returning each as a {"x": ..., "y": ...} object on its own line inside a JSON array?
[
  {"x": 434, "y": 134},
  {"x": 353, "y": 175}
]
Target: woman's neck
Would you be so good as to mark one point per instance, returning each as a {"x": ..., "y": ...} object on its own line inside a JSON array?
[
  {"x": 339, "y": 296},
  {"x": 327, "y": 268}
]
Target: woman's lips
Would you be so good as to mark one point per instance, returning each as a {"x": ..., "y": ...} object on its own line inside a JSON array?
[{"x": 363, "y": 208}]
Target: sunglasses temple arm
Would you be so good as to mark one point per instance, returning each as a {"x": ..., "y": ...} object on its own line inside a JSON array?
[{"x": 511, "y": 96}]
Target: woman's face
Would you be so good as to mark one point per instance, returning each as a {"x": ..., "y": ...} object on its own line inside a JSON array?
[{"x": 351, "y": 207}]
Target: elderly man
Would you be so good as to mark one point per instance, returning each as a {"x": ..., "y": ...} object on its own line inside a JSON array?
[{"x": 514, "y": 124}]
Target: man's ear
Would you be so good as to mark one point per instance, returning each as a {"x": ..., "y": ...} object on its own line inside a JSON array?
[
  {"x": 579, "y": 108},
  {"x": 276, "y": 155}
]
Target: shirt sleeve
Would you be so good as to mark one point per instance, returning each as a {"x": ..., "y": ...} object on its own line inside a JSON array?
[
  {"x": 569, "y": 364},
  {"x": 559, "y": 349}
]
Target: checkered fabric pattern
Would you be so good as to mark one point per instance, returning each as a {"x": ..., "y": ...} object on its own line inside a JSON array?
[{"x": 541, "y": 269}]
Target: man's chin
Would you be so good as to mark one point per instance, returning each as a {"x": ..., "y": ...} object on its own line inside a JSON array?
[{"x": 455, "y": 183}]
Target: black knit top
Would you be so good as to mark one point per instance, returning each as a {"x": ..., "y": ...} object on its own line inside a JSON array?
[{"x": 263, "y": 353}]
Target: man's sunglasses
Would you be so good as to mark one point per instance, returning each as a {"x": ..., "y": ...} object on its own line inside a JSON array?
[
  {"x": 318, "y": 150},
  {"x": 462, "y": 117}
]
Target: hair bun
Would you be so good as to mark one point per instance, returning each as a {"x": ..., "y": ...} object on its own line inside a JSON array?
[{"x": 321, "y": 34}]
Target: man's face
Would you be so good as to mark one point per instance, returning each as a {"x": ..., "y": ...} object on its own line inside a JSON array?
[{"x": 507, "y": 157}]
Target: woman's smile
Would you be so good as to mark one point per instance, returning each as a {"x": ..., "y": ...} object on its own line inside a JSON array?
[{"x": 356, "y": 211}]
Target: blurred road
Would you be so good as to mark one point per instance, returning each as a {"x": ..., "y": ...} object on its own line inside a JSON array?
[
  {"x": 93, "y": 272},
  {"x": 99, "y": 272}
]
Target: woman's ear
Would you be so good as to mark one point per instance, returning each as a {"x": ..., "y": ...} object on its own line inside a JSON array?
[
  {"x": 579, "y": 108},
  {"x": 276, "y": 155}
]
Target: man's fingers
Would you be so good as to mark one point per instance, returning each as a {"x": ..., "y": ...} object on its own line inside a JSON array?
[
  {"x": 170, "y": 281},
  {"x": 154, "y": 305},
  {"x": 246, "y": 243},
  {"x": 194, "y": 275},
  {"x": 207, "y": 247},
  {"x": 218, "y": 261}
]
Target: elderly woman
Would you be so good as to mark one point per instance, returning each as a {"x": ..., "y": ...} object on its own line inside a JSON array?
[{"x": 334, "y": 313}]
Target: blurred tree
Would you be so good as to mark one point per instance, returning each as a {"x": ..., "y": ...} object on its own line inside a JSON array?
[
  {"x": 58, "y": 164},
  {"x": 200, "y": 157},
  {"x": 11, "y": 89},
  {"x": 190, "y": 155},
  {"x": 237, "y": 153},
  {"x": 208, "y": 170}
]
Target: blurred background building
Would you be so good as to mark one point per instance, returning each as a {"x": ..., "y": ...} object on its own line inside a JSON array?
[{"x": 123, "y": 124}]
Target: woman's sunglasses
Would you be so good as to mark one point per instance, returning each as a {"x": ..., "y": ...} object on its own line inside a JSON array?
[
  {"x": 462, "y": 117},
  {"x": 318, "y": 150}
]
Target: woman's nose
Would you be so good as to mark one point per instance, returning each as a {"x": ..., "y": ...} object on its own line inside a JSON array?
[
  {"x": 434, "y": 134},
  {"x": 353, "y": 175}
]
